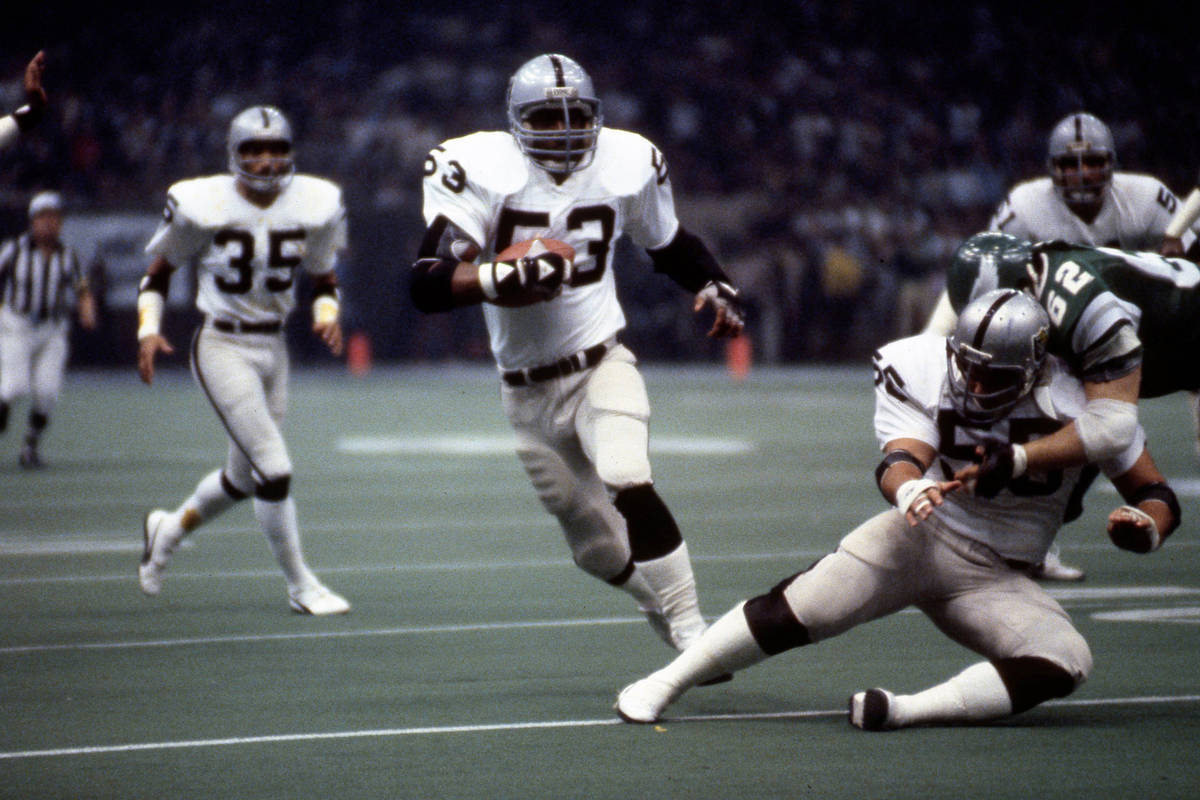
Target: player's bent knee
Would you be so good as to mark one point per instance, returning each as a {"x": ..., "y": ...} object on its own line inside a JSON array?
[
  {"x": 273, "y": 490},
  {"x": 773, "y": 623},
  {"x": 622, "y": 471},
  {"x": 603, "y": 559},
  {"x": 1032, "y": 680}
]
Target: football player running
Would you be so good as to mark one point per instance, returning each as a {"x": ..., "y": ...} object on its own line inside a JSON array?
[
  {"x": 248, "y": 233},
  {"x": 962, "y": 559},
  {"x": 1085, "y": 201},
  {"x": 570, "y": 389}
]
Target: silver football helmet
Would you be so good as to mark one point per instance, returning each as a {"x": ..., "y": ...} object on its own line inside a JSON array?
[
  {"x": 1078, "y": 141},
  {"x": 554, "y": 114},
  {"x": 261, "y": 124},
  {"x": 996, "y": 354}
]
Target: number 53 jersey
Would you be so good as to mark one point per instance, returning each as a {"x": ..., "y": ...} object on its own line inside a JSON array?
[
  {"x": 484, "y": 185},
  {"x": 912, "y": 401},
  {"x": 246, "y": 256}
]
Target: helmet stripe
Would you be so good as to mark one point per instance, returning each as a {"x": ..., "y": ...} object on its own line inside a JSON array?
[
  {"x": 266, "y": 118},
  {"x": 987, "y": 318},
  {"x": 559, "y": 78},
  {"x": 1079, "y": 127}
]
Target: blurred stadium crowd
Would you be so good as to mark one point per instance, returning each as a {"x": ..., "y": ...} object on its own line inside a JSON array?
[{"x": 832, "y": 153}]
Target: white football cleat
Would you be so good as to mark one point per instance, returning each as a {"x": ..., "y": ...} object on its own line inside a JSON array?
[
  {"x": 317, "y": 600},
  {"x": 678, "y": 634},
  {"x": 643, "y": 701},
  {"x": 1052, "y": 568},
  {"x": 870, "y": 710},
  {"x": 158, "y": 543}
]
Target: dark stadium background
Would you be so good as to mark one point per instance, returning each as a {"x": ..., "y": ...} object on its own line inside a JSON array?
[{"x": 888, "y": 130}]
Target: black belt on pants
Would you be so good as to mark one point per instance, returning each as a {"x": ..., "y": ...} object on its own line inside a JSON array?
[
  {"x": 237, "y": 326},
  {"x": 559, "y": 369}
]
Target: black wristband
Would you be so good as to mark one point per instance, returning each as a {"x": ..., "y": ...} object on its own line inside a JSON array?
[
  {"x": 1164, "y": 494},
  {"x": 28, "y": 116},
  {"x": 895, "y": 457}
]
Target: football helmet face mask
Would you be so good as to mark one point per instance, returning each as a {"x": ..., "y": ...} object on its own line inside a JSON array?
[
  {"x": 554, "y": 114},
  {"x": 1082, "y": 159},
  {"x": 996, "y": 354},
  {"x": 261, "y": 125},
  {"x": 987, "y": 261}
]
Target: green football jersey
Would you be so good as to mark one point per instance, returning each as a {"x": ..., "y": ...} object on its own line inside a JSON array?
[{"x": 1089, "y": 291}]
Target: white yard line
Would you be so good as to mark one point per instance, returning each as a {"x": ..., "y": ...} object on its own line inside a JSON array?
[{"x": 498, "y": 727}]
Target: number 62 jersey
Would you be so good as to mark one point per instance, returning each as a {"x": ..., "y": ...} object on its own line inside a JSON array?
[
  {"x": 246, "y": 255},
  {"x": 912, "y": 401},
  {"x": 485, "y": 186}
]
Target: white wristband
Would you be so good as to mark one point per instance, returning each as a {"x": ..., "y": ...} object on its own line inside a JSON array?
[
  {"x": 149, "y": 310},
  {"x": 908, "y": 492},
  {"x": 1020, "y": 461},
  {"x": 325, "y": 309},
  {"x": 487, "y": 280}
]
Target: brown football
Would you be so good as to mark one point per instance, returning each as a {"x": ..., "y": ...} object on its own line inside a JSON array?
[{"x": 521, "y": 249}]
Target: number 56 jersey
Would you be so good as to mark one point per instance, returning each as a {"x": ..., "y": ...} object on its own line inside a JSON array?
[
  {"x": 246, "y": 256},
  {"x": 912, "y": 401},
  {"x": 484, "y": 185}
]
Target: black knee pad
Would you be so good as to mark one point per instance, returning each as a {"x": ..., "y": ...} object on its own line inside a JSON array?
[
  {"x": 1031, "y": 681},
  {"x": 38, "y": 421},
  {"x": 772, "y": 622},
  {"x": 230, "y": 489},
  {"x": 652, "y": 530},
  {"x": 273, "y": 490}
]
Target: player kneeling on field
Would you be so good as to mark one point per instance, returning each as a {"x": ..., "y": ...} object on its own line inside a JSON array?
[{"x": 963, "y": 559}]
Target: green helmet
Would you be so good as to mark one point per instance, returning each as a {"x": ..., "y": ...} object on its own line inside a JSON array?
[{"x": 987, "y": 261}]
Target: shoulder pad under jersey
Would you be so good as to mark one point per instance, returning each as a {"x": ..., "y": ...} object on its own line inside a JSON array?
[
  {"x": 490, "y": 160},
  {"x": 627, "y": 161}
]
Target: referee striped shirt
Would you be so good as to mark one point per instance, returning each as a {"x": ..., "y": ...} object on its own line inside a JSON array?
[{"x": 35, "y": 284}]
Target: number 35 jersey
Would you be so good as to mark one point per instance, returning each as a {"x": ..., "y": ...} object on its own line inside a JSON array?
[
  {"x": 912, "y": 401},
  {"x": 246, "y": 256},
  {"x": 484, "y": 185}
]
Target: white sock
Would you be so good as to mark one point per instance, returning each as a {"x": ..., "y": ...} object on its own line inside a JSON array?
[
  {"x": 725, "y": 646},
  {"x": 208, "y": 500},
  {"x": 671, "y": 580},
  {"x": 976, "y": 693},
  {"x": 279, "y": 523}
]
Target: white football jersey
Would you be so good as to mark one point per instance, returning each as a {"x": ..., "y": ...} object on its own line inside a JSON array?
[
  {"x": 1135, "y": 214},
  {"x": 246, "y": 257},
  {"x": 912, "y": 401},
  {"x": 487, "y": 187}
]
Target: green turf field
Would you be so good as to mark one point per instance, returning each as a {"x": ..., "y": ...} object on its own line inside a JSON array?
[{"x": 478, "y": 661}]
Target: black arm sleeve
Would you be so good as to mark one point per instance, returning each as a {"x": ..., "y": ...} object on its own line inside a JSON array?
[
  {"x": 429, "y": 283},
  {"x": 687, "y": 261},
  {"x": 159, "y": 282}
]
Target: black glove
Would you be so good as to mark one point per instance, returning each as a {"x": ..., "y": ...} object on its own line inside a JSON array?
[
  {"x": 995, "y": 469},
  {"x": 542, "y": 275}
]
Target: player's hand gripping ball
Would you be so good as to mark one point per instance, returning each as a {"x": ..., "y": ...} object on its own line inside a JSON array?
[{"x": 527, "y": 272}]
